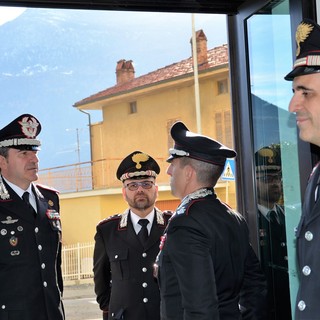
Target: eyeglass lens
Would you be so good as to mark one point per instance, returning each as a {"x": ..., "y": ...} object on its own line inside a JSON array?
[{"x": 132, "y": 186}]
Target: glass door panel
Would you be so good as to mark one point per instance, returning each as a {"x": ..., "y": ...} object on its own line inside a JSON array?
[{"x": 275, "y": 152}]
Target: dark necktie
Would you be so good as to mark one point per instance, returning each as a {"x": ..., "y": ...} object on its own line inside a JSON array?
[
  {"x": 25, "y": 197},
  {"x": 143, "y": 233},
  {"x": 273, "y": 217}
]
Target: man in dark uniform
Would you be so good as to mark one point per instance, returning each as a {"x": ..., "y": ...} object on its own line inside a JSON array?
[
  {"x": 305, "y": 103},
  {"x": 206, "y": 267},
  {"x": 272, "y": 231},
  {"x": 126, "y": 245},
  {"x": 30, "y": 229}
]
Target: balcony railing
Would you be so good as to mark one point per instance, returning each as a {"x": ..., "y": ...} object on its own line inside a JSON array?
[{"x": 90, "y": 175}]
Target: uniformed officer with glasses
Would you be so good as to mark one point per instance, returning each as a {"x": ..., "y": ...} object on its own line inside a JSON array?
[
  {"x": 126, "y": 245},
  {"x": 272, "y": 230}
]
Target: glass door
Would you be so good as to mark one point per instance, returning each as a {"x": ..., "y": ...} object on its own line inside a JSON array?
[{"x": 275, "y": 153}]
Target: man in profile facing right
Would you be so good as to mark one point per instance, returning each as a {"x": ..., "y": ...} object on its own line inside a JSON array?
[
  {"x": 305, "y": 104},
  {"x": 206, "y": 267}
]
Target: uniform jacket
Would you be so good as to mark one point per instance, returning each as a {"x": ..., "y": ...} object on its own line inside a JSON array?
[
  {"x": 206, "y": 266},
  {"x": 274, "y": 261},
  {"x": 123, "y": 268},
  {"x": 30, "y": 259},
  {"x": 308, "y": 253}
]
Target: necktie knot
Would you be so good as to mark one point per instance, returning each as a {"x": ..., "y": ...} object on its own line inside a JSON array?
[
  {"x": 273, "y": 216},
  {"x": 143, "y": 222},
  {"x": 25, "y": 197},
  {"x": 143, "y": 234}
]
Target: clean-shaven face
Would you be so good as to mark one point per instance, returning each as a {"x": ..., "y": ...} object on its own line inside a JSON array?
[
  {"x": 305, "y": 103},
  {"x": 20, "y": 167}
]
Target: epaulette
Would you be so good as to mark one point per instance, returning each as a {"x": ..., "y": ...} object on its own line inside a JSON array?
[
  {"x": 111, "y": 218},
  {"x": 42, "y": 186}
]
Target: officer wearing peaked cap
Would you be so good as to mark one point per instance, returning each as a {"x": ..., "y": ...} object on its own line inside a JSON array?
[
  {"x": 206, "y": 267},
  {"x": 126, "y": 245},
  {"x": 305, "y": 104},
  {"x": 30, "y": 230},
  {"x": 272, "y": 231}
]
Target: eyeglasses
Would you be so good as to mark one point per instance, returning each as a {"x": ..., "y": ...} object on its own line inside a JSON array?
[{"x": 133, "y": 186}]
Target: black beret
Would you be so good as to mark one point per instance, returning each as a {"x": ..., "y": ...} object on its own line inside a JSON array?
[
  {"x": 197, "y": 146},
  {"x": 137, "y": 165},
  {"x": 21, "y": 133},
  {"x": 268, "y": 159},
  {"x": 308, "y": 50}
]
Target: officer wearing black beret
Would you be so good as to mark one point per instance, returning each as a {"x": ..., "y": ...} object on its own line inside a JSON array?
[
  {"x": 126, "y": 245},
  {"x": 30, "y": 229},
  {"x": 206, "y": 266},
  {"x": 272, "y": 230},
  {"x": 305, "y": 104}
]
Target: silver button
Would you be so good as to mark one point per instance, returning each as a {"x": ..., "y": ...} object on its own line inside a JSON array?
[
  {"x": 145, "y": 300},
  {"x": 39, "y": 247},
  {"x": 144, "y": 284},
  {"x": 308, "y": 236},
  {"x": 144, "y": 255},
  {"x": 3, "y": 307},
  {"x": 144, "y": 269},
  {"x": 45, "y": 284},
  {"x": 116, "y": 256},
  {"x": 3, "y": 232},
  {"x": 306, "y": 270},
  {"x": 43, "y": 266},
  {"x": 36, "y": 229},
  {"x": 301, "y": 305}
]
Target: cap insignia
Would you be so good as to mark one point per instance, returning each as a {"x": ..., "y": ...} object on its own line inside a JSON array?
[
  {"x": 29, "y": 126},
  {"x": 303, "y": 31},
  {"x": 139, "y": 157},
  {"x": 267, "y": 153}
]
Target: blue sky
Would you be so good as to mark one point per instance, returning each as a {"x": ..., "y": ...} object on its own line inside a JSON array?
[{"x": 170, "y": 43}]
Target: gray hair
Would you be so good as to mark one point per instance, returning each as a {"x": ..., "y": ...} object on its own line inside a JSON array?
[
  {"x": 207, "y": 173},
  {"x": 4, "y": 151}
]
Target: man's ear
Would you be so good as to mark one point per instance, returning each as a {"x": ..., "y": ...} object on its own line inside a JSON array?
[
  {"x": 188, "y": 172},
  {"x": 124, "y": 192},
  {"x": 3, "y": 160}
]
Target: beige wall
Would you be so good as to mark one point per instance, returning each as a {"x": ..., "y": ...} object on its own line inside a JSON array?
[
  {"x": 80, "y": 215},
  {"x": 121, "y": 133}
]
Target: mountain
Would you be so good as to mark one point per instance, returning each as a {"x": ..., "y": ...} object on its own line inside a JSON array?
[{"x": 52, "y": 58}]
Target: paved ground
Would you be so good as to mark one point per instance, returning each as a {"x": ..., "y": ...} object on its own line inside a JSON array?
[{"x": 80, "y": 304}]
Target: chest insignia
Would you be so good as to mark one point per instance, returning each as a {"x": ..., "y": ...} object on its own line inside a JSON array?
[
  {"x": 9, "y": 220},
  {"x": 53, "y": 214},
  {"x": 13, "y": 241}
]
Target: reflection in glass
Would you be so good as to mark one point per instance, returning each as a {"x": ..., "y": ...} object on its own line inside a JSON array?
[{"x": 275, "y": 141}]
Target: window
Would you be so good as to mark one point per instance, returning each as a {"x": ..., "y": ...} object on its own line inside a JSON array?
[
  {"x": 224, "y": 128},
  {"x": 223, "y": 86},
  {"x": 133, "y": 107}
]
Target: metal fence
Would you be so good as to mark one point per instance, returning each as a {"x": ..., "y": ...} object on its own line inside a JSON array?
[{"x": 77, "y": 261}]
